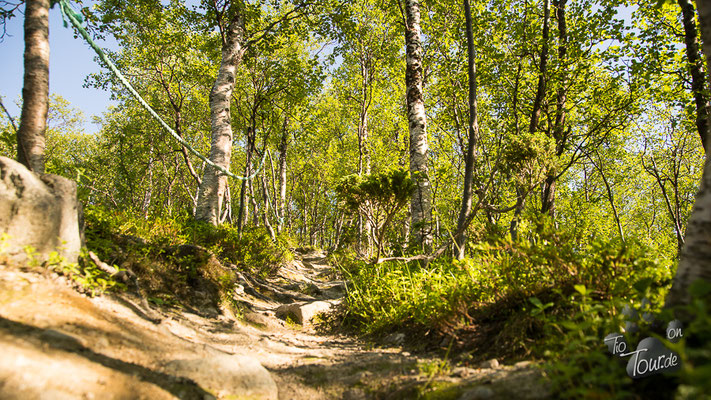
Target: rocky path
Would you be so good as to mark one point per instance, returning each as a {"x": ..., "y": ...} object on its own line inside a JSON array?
[{"x": 59, "y": 344}]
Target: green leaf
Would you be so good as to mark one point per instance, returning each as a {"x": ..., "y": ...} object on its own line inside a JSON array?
[
  {"x": 581, "y": 289},
  {"x": 569, "y": 325},
  {"x": 536, "y": 302}
]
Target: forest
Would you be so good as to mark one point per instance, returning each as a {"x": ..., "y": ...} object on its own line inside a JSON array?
[{"x": 499, "y": 179}]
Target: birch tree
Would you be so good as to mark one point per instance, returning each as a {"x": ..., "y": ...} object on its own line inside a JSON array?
[
  {"x": 35, "y": 90},
  {"x": 421, "y": 200},
  {"x": 695, "y": 257},
  {"x": 231, "y": 22},
  {"x": 696, "y": 69},
  {"x": 214, "y": 184}
]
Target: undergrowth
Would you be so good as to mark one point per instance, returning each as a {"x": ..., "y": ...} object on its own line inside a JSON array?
[
  {"x": 87, "y": 276},
  {"x": 254, "y": 251},
  {"x": 541, "y": 297},
  {"x": 181, "y": 261}
]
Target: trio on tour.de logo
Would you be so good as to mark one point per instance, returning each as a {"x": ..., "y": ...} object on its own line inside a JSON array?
[{"x": 651, "y": 356}]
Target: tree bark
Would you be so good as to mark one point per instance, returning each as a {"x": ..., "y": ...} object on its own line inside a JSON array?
[
  {"x": 35, "y": 89},
  {"x": 243, "y": 212},
  {"x": 420, "y": 205},
  {"x": 542, "y": 69},
  {"x": 214, "y": 183},
  {"x": 283, "y": 146},
  {"x": 610, "y": 196},
  {"x": 472, "y": 144},
  {"x": 265, "y": 209},
  {"x": 695, "y": 258},
  {"x": 548, "y": 192},
  {"x": 536, "y": 111},
  {"x": 696, "y": 69},
  {"x": 363, "y": 153},
  {"x": 674, "y": 210}
]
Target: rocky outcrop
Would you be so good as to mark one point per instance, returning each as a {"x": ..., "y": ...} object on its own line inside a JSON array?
[{"x": 41, "y": 211}]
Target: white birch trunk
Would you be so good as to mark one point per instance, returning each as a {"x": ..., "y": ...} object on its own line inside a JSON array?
[
  {"x": 35, "y": 89},
  {"x": 214, "y": 184},
  {"x": 695, "y": 257},
  {"x": 283, "y": 146},
  {"x": 420, "y": 205}
]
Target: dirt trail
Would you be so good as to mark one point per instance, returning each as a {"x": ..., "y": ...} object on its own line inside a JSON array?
[{"x": 57, "y": 343}]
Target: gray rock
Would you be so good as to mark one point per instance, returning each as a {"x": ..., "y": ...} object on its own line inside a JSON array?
[
  {"x": 492, "y": 364},
  {"x": 303, "y": 313},
  {"x": 478, "y": 393},
  {"x": 355, "y": 394},
  {"x": 41, "y": 211},
  {"x": 397, "y": 338},
  {"x": 261, "y": 321},
  {"x": 335, "y": 291},
  {"x": 525, "y": 384},
  {"x": 228, "y": 375},
  {"x": 463, "y": 372}
]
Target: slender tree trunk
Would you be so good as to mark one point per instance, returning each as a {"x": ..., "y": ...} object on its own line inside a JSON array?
[
  {"x": 338, "y": 230},
  {"x": 471, "y": 154},
  {"x": 518, "y": 209},
  {"x": 35, "y": 89},
  {"x": 214, "y": 183},
  {"x": 696, "y": 69},
  {"x": 537, "y": 108},
  {"x": 243, "y": 212},
  {"x": 265, "y": 209},
  {"x": 695, "y": 258},
  {"x": 610, "y": 195},
  {"x": 674, "y": 212},
  {"x": 177, "y": 105},
  {"x": 227, "y": 213},
  {"x": 253, "y": 202},
  {"x": 363, "y": 153},
  {"x": 542, "y": 69},
  {"x": 183, "y": 150},
  {"x": 283, "y": 146},
  {"x": 420, "y": 205},
  {"x": 148, "y": 196},
  {"x": 304, "y": 211},
  {"x": 611, "y": 198},
  {"x": 548, "y": 192}
]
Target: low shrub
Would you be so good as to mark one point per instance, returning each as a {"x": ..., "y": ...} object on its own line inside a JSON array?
[
  {"x": 179, "y": 260},
  {"x": 254, "y": 251},
  {"x": 510, "y": 299}
]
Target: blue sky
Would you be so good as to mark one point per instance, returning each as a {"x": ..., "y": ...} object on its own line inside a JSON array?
[{"x": 71, "y": 61}]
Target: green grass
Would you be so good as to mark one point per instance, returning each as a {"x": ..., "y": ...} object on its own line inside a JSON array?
[{"x": 541, "y": 297}]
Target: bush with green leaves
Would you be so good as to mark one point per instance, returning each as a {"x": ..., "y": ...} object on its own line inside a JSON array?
[
  {"x": 175, "y": 258},
  {"x": 253, "y": 250},
  {"x": 520, "y": 286},
  {"x": 378, "y": 197}
]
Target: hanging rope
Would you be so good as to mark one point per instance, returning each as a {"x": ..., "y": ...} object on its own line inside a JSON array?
[{"x": 76, "y": 19}]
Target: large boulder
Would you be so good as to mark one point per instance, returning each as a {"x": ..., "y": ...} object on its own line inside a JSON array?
[
  {"x": 41, "y": 211},
  {"x": 228, "y": 376}
]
